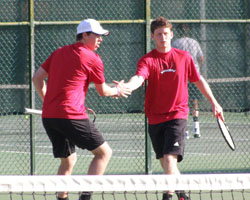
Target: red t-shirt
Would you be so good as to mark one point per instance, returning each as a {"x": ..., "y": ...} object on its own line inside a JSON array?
[
  {"x": 70, "y": 70},
  {"x": 167, "y": 89}
]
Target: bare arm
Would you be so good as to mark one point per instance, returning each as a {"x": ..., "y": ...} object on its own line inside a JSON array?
[
  {"x": 135, "y": 82},
  {"x": 120, "y": 90},
  {"x": 201, "y": 60},
  {"x": 124, "y": 89},
  {"x": 39, "y": 82},
  {"x": 207, "y": 92}
]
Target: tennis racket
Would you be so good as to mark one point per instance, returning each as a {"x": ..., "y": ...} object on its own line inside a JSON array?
[
  {"x": 39, "y": 112},
  {"x": 91, "y": 113},
  {"x": 32, "y": 111},
  {"x": 226, "y": 133}
]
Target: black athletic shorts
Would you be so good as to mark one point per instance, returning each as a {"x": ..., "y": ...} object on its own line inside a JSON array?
[
  {"x": 65, "y": 134},
  {"x": 168, "y": 138}
]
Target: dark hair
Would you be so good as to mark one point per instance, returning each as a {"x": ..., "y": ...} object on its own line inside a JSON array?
[
  {"x": 79, "y": 36},
  {"x": 160, "y": 22},
  {"x": 184, "y": 29}
]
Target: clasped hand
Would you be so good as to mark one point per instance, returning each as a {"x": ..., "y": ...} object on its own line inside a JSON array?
[{"x": 122, "y": 89}]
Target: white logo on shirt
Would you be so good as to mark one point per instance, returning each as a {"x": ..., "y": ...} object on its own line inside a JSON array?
[
  {"x": 168, "y": 70},
  {"x": 176, "y": 144}
]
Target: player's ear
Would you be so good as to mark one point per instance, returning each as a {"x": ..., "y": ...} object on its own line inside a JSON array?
[
  {"x": 152, "y": 36},
  {"x": 172, "y": 34},
  {"x": 84, "y": 34}
]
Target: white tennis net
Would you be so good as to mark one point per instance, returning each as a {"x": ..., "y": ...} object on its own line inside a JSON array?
[{"x": 197, "y": 187}]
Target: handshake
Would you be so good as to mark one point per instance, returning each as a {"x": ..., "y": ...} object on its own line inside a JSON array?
[{"x": 123, "y": 90}]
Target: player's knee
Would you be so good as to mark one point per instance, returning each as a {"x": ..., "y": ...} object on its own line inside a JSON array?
[
  {"x": 103, "y": 152},
  {"x": 108, "y": 152},
  {"x": 70, "y": 161},
  {"x": 170, "y": 159},
  {"x": 170, "y": 166}
]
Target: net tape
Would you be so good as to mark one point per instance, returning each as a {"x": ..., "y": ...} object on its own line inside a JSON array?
[{"x": 124, "y": 183}]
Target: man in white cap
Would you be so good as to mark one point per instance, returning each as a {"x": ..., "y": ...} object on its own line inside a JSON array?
[{"x": 69, "y": 70}]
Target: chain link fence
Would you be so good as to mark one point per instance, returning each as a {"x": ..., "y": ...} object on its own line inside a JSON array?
[{"x": 31, "y": 30}]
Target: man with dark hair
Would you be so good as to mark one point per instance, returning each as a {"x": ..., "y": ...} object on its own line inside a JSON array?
[
  {"x": 70, "y": 70},
  {"x": 167, "y": 71}
]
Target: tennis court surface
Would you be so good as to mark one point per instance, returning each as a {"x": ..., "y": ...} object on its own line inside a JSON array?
[{"x": 126, "y": 135}]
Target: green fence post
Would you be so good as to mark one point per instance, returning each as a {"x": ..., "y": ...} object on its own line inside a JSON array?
[
  {"x": 32, "y": 97},
  {"x": 148, "y": 164}
]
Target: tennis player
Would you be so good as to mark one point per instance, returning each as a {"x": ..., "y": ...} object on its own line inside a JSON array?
[
  {"x": 193, "y": 47},
  {"x": 70, "y": 70},
  {"x": 167, "y": 71}
]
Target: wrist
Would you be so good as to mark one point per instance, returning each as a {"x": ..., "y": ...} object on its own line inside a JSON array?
[{"x": 117, "y": 91}]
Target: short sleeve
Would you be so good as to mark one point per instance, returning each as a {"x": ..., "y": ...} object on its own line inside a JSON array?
[
  {"x": 46, "y": 64},
  {"x": 142, "y": 68},
  {"x": 97, "y": 71},
  {"x": 193, "y": 74}
]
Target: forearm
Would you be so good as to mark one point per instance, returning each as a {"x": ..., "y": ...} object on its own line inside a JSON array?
[
  {"x": 39, "y": 83},
  {"x": 119, "y": 90},
  {"x": 40, "y": 86},
  {"x": 105, "y": 90},
  {"x": 135, "y": 82},
  {"x": 206, "y": 90}
]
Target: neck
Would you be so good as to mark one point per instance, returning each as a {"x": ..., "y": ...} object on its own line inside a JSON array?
[
  {"x": 85, "y": 45},
  {"x": 164, "y": 50},
  {"x": 82, "y": 41}
]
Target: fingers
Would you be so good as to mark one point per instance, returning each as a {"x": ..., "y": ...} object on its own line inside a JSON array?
[
  {"x": 221, "y": 116},
  {"x": 115, "y": 97},
  {"x": 121, "y": 95},
  {"x": 118, "y": 82},
  {"x": 122, "y": 89},
  {"x": 124, "y": 92},
  {"x": 218, "y": 112}
]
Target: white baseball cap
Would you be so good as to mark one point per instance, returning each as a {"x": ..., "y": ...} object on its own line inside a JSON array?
[{"x": 91, "y": 25}]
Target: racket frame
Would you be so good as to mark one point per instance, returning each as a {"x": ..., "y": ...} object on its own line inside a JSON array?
[
  {"x": 39, "y": 112},
  {"x": 230, "y": 144}
]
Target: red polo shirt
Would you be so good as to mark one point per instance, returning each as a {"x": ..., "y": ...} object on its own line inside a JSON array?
[
  {"x": 167, "y": 90},
  {"x": 70, "y": 70}
]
